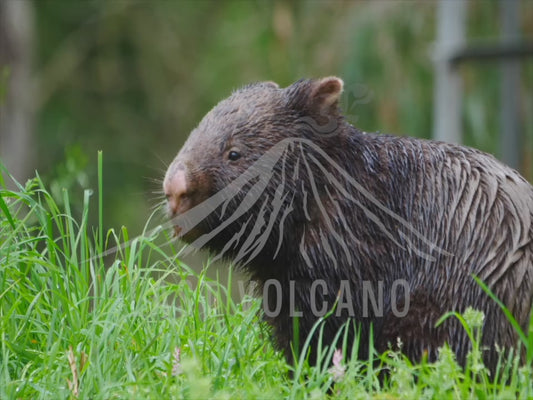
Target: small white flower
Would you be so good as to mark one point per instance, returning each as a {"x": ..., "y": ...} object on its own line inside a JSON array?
[
  {"x": 338, "y": 370},
  {"x": 176, "y": 365}
]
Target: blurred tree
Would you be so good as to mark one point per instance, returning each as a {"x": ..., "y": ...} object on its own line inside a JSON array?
[{"x": 17, "y": 145}]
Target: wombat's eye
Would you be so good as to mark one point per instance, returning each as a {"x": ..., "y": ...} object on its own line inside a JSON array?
[{"x": 233, "y": 155}]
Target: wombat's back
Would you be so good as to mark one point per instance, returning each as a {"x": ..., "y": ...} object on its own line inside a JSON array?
[{"x": 478, "y": 214}]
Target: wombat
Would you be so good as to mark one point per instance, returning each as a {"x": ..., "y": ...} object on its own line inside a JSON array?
[{"x": 383, "y": 231}]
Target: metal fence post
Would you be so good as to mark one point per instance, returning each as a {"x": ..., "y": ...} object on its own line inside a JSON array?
[
  {"x": 510, "y": 87},
  {"x": 448, "y": 86}
]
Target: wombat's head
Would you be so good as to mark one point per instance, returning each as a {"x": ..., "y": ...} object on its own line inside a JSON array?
[{"x": 235, "y": 137}]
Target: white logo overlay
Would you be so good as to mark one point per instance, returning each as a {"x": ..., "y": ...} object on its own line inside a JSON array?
[{"x": 273, "y": 186}]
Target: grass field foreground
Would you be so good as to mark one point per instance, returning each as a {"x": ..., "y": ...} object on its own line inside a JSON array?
[{"x": 76, "y": 324}]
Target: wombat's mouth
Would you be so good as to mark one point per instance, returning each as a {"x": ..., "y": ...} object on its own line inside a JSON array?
[{"x": 188, "y": 236}]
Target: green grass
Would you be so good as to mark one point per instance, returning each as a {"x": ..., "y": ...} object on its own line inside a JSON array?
[{"x": 75, "y": 324}]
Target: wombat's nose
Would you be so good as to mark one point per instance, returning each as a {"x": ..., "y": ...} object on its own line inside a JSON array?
[{"x": 175, "y": 188}]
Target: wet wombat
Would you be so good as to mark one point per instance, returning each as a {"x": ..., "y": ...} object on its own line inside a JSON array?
[{"x": 386, "y": 231}]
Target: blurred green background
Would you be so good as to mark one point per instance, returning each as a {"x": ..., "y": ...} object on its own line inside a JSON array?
[{"x": 133, "y": 78}]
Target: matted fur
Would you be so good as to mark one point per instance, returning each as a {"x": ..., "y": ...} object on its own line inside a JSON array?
[{"x": 313, "y": 198}]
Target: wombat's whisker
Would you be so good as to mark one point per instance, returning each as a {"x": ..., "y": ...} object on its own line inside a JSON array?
[
  {"x": 160, "y": 205},
  {"x": 153, "y": 180},
  {"x": 164, "y": 164}
]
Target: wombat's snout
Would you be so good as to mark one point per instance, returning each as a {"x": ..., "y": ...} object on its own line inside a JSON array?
[{"x": 175, "y": 189}]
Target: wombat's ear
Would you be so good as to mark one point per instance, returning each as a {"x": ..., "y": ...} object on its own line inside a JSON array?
[
  {"x": 271, "y": 84},
  {"x": 326, "y": 92},
  {"x": 320, "y": 96}
]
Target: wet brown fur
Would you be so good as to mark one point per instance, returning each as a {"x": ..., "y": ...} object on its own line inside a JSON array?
[{"x": 454, "y": 212}]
